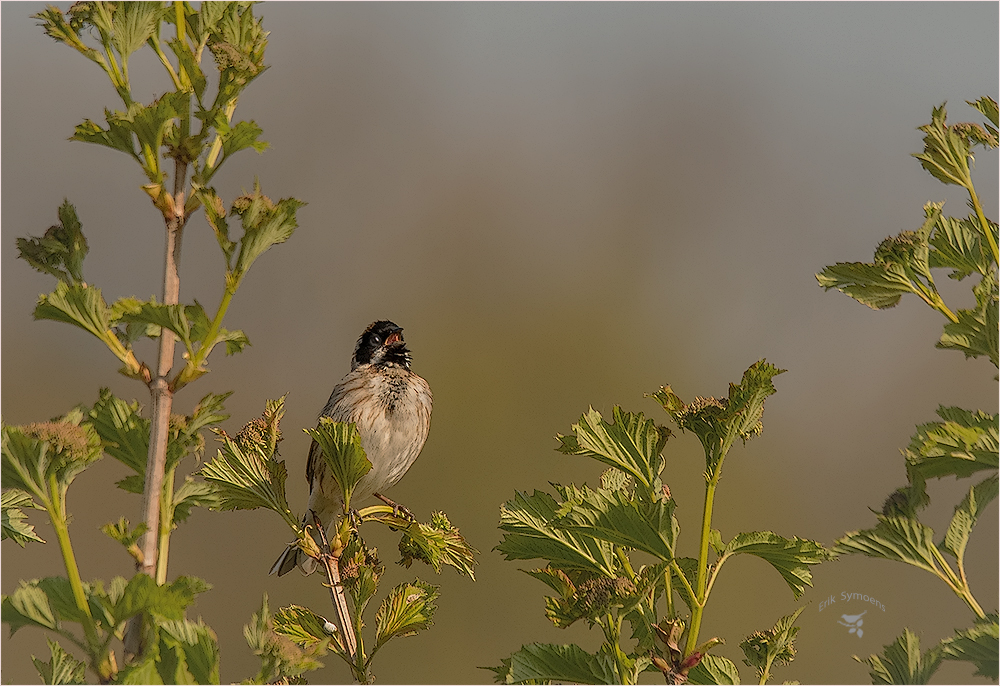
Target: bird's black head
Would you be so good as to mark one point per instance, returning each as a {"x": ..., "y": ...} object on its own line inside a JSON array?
[{"x": 381, "y": 343}]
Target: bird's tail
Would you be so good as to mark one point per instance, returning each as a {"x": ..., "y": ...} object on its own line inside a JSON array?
[{"x": 290, "y": 559}]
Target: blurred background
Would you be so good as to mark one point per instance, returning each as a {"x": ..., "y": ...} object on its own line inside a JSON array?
[{"x": 564, "y": 205}]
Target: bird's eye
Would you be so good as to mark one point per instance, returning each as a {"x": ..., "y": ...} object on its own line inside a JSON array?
[{"x": 376, "y": 339}]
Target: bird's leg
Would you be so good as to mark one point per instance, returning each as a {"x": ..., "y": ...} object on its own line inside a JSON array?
[{"x": 397, "y": 509}]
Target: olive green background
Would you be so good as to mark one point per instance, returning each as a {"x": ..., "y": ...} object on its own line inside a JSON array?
[{"x": 564, "y": 205}]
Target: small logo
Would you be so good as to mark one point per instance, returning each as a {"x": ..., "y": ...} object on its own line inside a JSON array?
[{"x": 853, "y": 622}]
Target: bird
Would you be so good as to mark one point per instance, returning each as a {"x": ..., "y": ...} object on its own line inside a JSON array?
[{"x": 391, "y": 407}]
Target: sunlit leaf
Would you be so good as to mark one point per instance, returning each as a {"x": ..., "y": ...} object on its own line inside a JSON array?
[
  {"x": 408, "y": 609},
  {"x": 958, "y": 245},
  {"x": 988, "y": 107},
  {"x": 196, "y": 647},
  {"x": 714, "y": 669},
  {"x": 76, "y": 304},
  {"x": 265, "y": 223},
  {"x": 898, "y": 538},
  {"x": 977, "y": 645},
  {"x": 28, "y": 606},
  {"x": 302, "y": 626},
  {"x": 62, "y": 668},
  {"x": 531, "y": 535},
  {"x": 614, "y": 517},
  {"x": 547, "y": 662},
  {"x": 631, "y": 443},
  {"x": 791, "y": 557},
  {"x": 772, "y": 647},
  {"x": 35, "y": 453},
  {"x": 437, "y": 543},
  {"x": 976, "y": 331},
  {"x": 340, "y": 444},
  {"x": 13, "y": 518},
  {"x": 901, "y": 662},
  {"x": 61, "y": 250},
  {"x": 963, "y": 444},
  {"x": 966, "y": 514}
]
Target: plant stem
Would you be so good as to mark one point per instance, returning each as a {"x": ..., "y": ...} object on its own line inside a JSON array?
[
  {"x": 337, "y": 595},
  {"x": 160, "y": 390},
  {"x": 706, "y": 527},
  {"x": 166, "y": 525}
]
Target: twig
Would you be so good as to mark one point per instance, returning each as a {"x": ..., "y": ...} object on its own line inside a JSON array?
[{"x": 337, "y": 594}]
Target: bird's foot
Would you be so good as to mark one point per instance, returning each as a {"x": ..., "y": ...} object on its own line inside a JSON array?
[{"x": 397, "y": 509}]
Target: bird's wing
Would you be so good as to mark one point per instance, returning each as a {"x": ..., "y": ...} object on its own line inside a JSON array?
[{"x": 313, "y": 462}]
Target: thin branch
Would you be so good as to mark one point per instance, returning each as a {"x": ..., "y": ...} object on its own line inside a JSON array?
[{"x": 337, "y": 594}]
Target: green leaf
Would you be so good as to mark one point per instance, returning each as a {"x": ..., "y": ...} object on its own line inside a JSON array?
[
  {"x": 790, "y": 557},
  {"x": 265, "y": 223},
  {"x": 547, "y": 662},
  {"x": 408, "y": 609},
  {"x": 340, "y": 443},
  {"x": 118, "y": 135},
  {"x": 966, "y": 514},
  {"x": 167, "y": 602},
  {"x": 946, "y": 152},
  {"x": 302, "y": 626},
  {"x": 436, "y": 544},
  {"x": 76, "y": 304},
  {"x": 976, "y": 331},
  {"x": 63, "y": 668},
  {"x": 776, "y": 646},
  {"x": 279, "y": 657},
  {"x": 193, "y": 494},
  {"x": 714, "y": 669},
  {"x": 35, "y": 453},
  {"x": 171, "y": 317},
  {"x": 632, "y": 443},
  {"x": 28, "y": 606},
  {"x": 189, "y": 63},
  {"x": 196, "y": 646},
  {"x": 133, "y": 24},
  {"x": 899, "y": 538},
  {"x": 977, "y": 645},
  {"x": 958, "y": 245},
  {"x": 14, "y": 527},
  {"x": 719, "y": 422},
  {"x": 360, "y": 571},
  {"x": 615, "y": 517},
  {"x": 215, "y": 213},
  {"x": 988, "y": 107},
  {"x": 123, "y": 431},
  {"x": 128, "y": 537},
  {"x": 61, "y": 250},
  {"x": 963, "y": 444},
  {"x": 901, "y": 662},
  {"x": 528, "y": 521},
  {"x": 55, "y": 25},
  {"x": 240, "y": 136},
  {"x": 235, "y": 341},
  {"x": 245, "y": 472}
]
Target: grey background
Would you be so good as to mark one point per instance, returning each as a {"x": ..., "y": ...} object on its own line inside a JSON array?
[{"x": 564, "y": 205}]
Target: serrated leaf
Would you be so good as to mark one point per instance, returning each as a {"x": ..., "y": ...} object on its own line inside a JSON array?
[
  {"x": 547, "y": 662},
  {"x": 958, "y": 245},
  {"x": 340, "y": 444},
  {"x": 189, "y": 64},
  {"x": 265, "y": 223},
  {"x": 193, "y": 494},
  {"x": 171, "y": 317},
  {"x": 61, "y": 250},
  {"x": 215, "y": 213},
  {"x": 241, "y": 136},
  {"x": 302, "y": 626},
  {"x": 124, "y": 432},
  {"x": 118, "y": 135},
  {"x": 197, "y": 647},
  {"x": 976, "y": 331},
  {"x": 901, "y": 662},
  {"x": 76, "y": 304},
  {"x": 714, "y": 669},
  {"x": 531, "y": 535},
  {"x": 62, "y": 668},
  {"x": 988, "y": 107},
  {"x": 966, "y": 514},
  {"x": 614, "y": 517},
  {"x": 631, "y": 443},
  {"x": 28, "y": 606},
  {"x": 34, "y": 454},
  {"x": 773, "y": 647},
  {"x": 790, "y": 557},
  {"x": 13, "y": 518},
  {"x": 977, "y": 645},
  {"x": 133, "y": 23},
  {"x": 143, "y": 594},
  {"x": 898, "y": 538},
  {"x": 407, "y": 610},
  {"x": 436, "y": 544},
  {"x": 946, "y": 152},
  {"x": 963, "y": 444}
]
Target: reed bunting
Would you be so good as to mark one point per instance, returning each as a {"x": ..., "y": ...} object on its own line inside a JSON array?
[{"x": 391, "y": 407}]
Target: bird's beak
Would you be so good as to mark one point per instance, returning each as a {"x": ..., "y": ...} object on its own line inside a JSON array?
[{"x": 394, "y": 337}]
